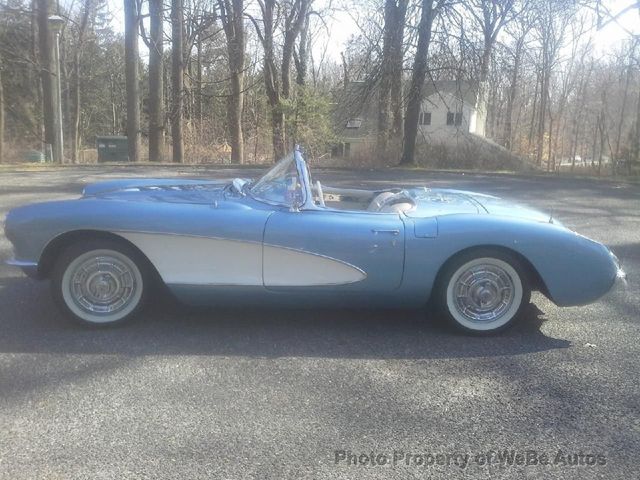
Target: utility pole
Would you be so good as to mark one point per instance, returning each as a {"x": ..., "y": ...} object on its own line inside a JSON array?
[{"x": 56, "y": 24}]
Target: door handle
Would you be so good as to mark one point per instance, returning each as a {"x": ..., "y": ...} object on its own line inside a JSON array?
[{"x": 394, "y": 232}]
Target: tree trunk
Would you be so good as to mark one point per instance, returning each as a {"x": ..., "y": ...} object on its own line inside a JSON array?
[
  {"x": 397, "y": 61},
  {"x": 114, "y": 114},
  {"x": 131, "y": 19},
  {"x": 75, "y": 121},
  {"x": 345, "y": 72},
  {"x": 177, "y": 79},
  {"x": 549, "y": 149},
  {"x": 36, "y": 79},
  {"x": 45, "y": 40},
  {"x": 636, "y": 140},
  {"x": 156, "y": 94},
  {"x": 513, "y": 89},
  {"x": 293, "y": 24},
  {"x": 198, "y": 94},
  {"x": 1, "y": 115},
  {"x": 390, "y": 85},
  {"x": 534, "y": 111},
  {"x": 271, "y": 82},
  {"x": 279, "y": 139},
  {"x": 77, "y": 59},
  {"x": 601, "y": 121},
  {"x": 414, "y": 96},
  {"x": 66, "y": 90},
  {"x": 544, "y": 94},
  {"x": 235, "y": 116},
  {"x": 302, "y": 59},
  {"x": 233, "y": 24}
]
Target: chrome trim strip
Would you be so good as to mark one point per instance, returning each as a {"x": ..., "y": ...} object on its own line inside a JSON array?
[{"x": 21, "y": 263}]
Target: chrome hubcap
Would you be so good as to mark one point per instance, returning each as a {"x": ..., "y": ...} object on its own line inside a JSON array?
[
  {"x": 102, "y": 284},
  {"x": 483, "y": 292}
]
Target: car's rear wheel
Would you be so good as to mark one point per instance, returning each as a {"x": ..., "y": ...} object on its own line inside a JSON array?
[
  {"x": 483, "y": 292},
  {"x": 99, "y": 282}
]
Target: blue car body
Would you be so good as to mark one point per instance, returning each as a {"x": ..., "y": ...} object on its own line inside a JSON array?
[{"x": 213, "y": 244}]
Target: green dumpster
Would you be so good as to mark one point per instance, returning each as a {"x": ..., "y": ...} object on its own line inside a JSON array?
[
  {"x": 34, "y": 156},
  {"x": 112, "y": 149}
]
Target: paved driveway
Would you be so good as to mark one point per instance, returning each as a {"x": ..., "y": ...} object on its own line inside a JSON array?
[{"x": 237, "y": 394}]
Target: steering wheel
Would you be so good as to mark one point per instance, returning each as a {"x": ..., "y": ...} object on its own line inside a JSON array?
[{"x": 320, "y": 193}]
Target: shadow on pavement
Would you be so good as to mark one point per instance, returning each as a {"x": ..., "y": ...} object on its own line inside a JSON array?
[{"x": 30, "y": 323}]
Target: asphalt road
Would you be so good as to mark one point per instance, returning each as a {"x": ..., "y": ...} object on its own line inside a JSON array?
[{"x": 239, "y": 394}]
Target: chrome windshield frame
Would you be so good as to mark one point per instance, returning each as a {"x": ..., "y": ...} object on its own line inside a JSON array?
[
  {"x": 305, "y": 181},
  {"x": 303, "y": 178}
]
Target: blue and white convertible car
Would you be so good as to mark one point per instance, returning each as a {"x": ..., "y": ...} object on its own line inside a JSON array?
[{"x": 285, "y": 239}]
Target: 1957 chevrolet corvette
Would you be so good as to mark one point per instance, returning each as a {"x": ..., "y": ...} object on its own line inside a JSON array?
[{"x": 284, "y": 239}]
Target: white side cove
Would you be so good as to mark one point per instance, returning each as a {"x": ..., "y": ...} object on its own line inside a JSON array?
[
  {"x": 190, "y": 260},
  {"x": 182, "y": 259},
  {"x": 284, "y": 267}
]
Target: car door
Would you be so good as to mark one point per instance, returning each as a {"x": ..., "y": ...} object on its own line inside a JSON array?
[{"x": 327, "y": 249}]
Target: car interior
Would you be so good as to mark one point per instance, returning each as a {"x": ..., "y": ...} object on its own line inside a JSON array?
[{"x": 393, "y": 200}]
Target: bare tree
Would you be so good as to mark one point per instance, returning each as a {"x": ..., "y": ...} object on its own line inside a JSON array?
[
  {"x": 177, "y": 80},
  {"x": 390, "y": 84},
  {"x": 278, "y": 84},
  {"x": 553, "y": 17},
  {"x": 301, "y": 55},
  {"x": 1, "y": 114},
  {"x": 430, "y": 10},
  {"x": 490, "y": 17},
  {"x": 86, "y": 17},
  {"x": 231, "y": 15},
  {"x": 131, "y": 19},
  {"x": 519, "y": 31},
  {"x": 568, "y": 83},
  {"x": 156, "y": 81},
  {"x": 46, "y": 70}
]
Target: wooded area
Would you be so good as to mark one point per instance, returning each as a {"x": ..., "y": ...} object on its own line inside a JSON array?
[{"x": 242, "y": 81}]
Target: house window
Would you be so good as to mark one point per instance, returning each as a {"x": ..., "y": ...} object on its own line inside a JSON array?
[
  {"x": 347, "y": 149},
  {"x": 449, "y": 118},
  {"x": 425, "y": 118},
  {"x": 354, "y": 123},
  {"x": 454, "y": 118}
]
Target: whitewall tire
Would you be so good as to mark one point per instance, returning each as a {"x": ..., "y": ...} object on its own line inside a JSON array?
[
  {"x": 99, "y": 282},
  {"x": 483, "y": 292}
]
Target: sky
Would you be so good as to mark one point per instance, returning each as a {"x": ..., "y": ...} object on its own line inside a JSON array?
[{"x": 341, "y": 27}]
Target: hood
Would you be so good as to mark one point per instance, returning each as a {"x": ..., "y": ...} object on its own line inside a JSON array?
[
  {"x": 157, "y": 190},
  {"x": 438, "y": 202}
]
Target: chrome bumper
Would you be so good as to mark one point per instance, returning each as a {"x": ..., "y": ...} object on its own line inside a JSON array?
[
  {"x": 29, "y": 268},
  {"x": 620, "y": 280},
  {"x": 620, "y": 273}
]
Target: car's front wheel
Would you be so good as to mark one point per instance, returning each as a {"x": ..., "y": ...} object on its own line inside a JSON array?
[
  {"x": 99, "y": 282},
  {"x": 484, "y": 291}
]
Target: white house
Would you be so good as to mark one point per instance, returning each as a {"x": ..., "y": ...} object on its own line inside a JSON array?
[{"x": 448, "y": 108}]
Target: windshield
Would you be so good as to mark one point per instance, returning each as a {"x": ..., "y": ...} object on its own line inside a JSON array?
[{"x": 280, "y": 185}]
